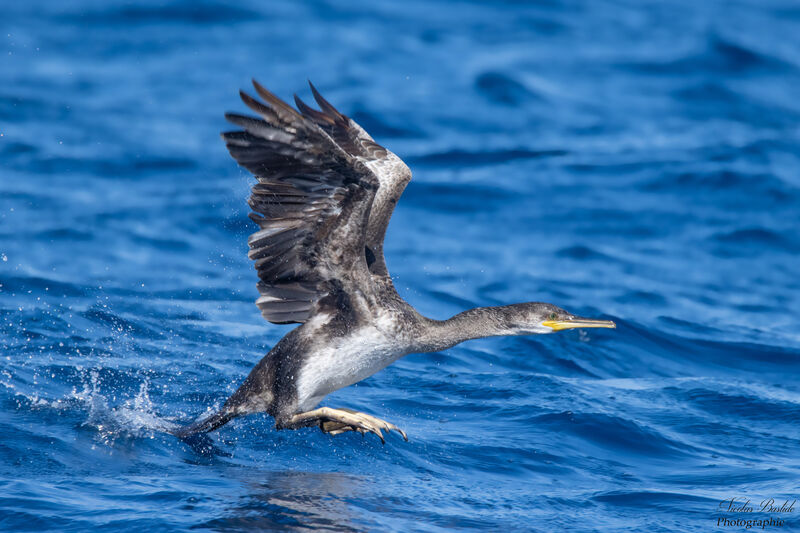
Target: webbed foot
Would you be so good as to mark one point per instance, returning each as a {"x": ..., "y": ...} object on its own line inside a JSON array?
[{"x": 336, "y": 421}]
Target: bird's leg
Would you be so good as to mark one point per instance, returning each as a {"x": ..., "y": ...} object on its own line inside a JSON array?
[
  {"x": 377, "y": 421},
  {"x": 335, "y": 421}
]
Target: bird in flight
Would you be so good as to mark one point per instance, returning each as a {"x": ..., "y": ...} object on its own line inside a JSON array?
[{"x": 325, "y": 193}]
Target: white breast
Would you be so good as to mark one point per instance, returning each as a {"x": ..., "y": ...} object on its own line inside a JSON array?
[{"x": 353, "y": 358}]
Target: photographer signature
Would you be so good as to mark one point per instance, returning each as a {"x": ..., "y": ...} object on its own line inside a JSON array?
[{"x": 744, "y": 505}]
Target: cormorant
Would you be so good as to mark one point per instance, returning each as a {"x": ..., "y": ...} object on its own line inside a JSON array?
[{"x": 324, "y": 196}]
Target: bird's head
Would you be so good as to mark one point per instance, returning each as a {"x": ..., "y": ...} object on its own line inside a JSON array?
[{"x": 537, "y": 318}]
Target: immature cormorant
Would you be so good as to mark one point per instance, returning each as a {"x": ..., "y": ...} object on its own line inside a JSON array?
[{"x": 323, "y": 200}]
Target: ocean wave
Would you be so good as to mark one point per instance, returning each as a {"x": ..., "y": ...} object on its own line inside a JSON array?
[{"x": 630, "y": 162}]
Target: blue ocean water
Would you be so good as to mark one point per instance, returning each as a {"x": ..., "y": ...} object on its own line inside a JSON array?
[{"x": 638, "y": 161}]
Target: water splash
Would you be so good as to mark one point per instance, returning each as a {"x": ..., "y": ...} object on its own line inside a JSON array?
[{"x": 134, "y": 417}]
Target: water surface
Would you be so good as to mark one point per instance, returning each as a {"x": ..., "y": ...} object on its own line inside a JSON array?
[{"x": 637, "y": 162}]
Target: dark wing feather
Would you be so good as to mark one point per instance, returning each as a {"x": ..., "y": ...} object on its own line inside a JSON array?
[
  {"x": 311, "y": 203},
  {"x": 393, "y": 175}
]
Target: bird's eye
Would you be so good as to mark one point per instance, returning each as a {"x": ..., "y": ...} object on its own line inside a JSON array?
[{"x": 553, "y": 316}]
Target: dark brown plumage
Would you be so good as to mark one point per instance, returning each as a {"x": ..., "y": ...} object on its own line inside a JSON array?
[
  {"x": 325, "y": 193},
  {"x": 314, "y": 184}
]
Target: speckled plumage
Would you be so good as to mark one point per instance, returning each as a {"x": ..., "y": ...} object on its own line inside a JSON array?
[
  {"x": 324, "y": 197},
  {"x": 325, "y": 193}
]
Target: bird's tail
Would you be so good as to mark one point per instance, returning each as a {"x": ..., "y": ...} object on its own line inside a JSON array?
[{"x": 204, "y": 425}]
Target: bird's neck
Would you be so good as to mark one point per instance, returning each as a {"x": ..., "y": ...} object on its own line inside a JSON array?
[{"x": 473, "y": 324}]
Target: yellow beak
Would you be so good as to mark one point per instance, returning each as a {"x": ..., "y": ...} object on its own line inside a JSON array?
[{"x": 572, "y": 323}]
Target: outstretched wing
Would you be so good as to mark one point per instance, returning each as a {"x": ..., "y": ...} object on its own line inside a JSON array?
[
  {"x": 312, "y": 203},
  {"x": 393, "y": 175}
]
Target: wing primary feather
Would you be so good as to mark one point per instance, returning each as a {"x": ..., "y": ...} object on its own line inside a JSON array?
[
  {"x": 283, "y": 110},
  {"x": 325, "y": 105},
  {"x": 311, "y": 204},
  {"x": 259, "y": 128},
  {"x": 268, "y": 114},
  {"x": 316, "y": 116}
]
